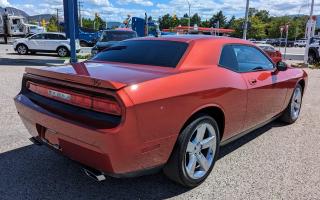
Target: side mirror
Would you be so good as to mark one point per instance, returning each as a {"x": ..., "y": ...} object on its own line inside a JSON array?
[{"x": 281, "y": 66}]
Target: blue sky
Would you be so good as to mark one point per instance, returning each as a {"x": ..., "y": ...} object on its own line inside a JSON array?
[{"x": 117, "y": 10}]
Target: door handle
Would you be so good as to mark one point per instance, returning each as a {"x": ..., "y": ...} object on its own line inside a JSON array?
[{"x": 253, "y": 81}]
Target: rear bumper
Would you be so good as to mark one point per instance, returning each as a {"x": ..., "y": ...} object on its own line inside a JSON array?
[{"x": 117, "y": 152}]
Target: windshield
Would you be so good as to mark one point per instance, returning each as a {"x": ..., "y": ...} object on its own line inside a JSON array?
[
  {"x": 117, "y": 35},
  {"x": 143, "y": 52}
]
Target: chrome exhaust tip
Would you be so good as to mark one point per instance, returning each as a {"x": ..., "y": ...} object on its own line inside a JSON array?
[
  {"x": 94, "y": 174},
  {"x": 35, "y": 141}
]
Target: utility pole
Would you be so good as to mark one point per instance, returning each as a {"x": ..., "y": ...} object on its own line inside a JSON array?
[
  {"x": 189, "y": 17},
  {"x": 80, "y": 6},
  {"x": 309, "y": 27},
  {"x": 245, "y": 28},
  {"x": 57, "y": 15}
]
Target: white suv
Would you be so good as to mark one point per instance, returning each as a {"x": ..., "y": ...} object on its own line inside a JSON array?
[
  {"x": 300, "y": 43},
  {"x": 45, "y": 42}
]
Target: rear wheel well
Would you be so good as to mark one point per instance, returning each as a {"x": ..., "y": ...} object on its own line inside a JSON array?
[
  {"x": 62, "y": 46},
  {"x": 213, "y": 112},
  {"x": 302, "y": 83}
]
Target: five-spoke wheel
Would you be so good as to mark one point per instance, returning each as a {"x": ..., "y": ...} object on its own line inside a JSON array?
[
  {"x": 291, "y": 113},
  {"x": 195, "y": 152}
]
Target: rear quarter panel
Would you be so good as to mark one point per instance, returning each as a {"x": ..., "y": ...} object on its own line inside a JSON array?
[{"x": 164, "y": 105}]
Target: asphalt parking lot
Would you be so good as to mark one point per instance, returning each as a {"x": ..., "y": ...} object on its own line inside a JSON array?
[{"x": 277, "y": 161}]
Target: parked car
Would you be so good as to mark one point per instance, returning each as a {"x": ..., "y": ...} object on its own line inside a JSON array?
[
  {"x": 112, "y": 37},
  {"x": 314, "y": 52},
  {"x": 158, "y": 103},
  {"x": 274, "y": 54},
  {"x": 282, "y": 42},
  {"x": 34, "y": 29},
  {"x": 252, "y": 40},
  {"x": 300, "y": 43},
  {"x": 88, "y": 37},
  {"x": 44, "y": 42}
]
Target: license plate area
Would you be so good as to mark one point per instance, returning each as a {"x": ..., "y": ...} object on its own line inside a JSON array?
[{"x": 48, "y": 136}]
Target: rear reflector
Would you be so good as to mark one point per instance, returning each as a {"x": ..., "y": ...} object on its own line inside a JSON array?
[{"x": 89, "y": 102}]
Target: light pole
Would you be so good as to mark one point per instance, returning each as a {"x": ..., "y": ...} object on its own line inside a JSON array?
[
  {"x": 245, "y": 28},
  {"x": 189, "y": 17},
  {"x": 309, "y": 27}
]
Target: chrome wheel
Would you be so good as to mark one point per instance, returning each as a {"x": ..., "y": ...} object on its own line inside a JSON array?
[
  {"x": 22, "y": 49},
  {"x": 62, "y": 52},
  {"x": 296, "y": 103},
  {"x": 200, "y": 151}
]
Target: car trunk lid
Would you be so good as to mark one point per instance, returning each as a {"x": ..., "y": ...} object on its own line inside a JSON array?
[{"x": 112, "y": 76}]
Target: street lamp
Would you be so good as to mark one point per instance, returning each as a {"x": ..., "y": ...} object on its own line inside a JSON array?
[
  {"x": 245, "y": 30},
  {"x": 189, "y": 19}
]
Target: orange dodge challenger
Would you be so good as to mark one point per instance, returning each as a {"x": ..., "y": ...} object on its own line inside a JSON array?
[{"x": 158, "y": 103}]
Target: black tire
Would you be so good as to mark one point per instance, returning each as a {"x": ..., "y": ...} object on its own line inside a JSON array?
[
  {"x": 312, "y": 58},
  {"x": 175, "y": 168},
  {"x": 289, "y": 116},
  {"x": 62, "y": 52},
  {"x": 84, "y": 44},
  {"x": 22, "y": 49}
]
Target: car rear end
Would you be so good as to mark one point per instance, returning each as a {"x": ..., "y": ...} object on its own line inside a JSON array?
[
  {"x": 89, "y": 121},
  {"x": 89, "y": 111}
]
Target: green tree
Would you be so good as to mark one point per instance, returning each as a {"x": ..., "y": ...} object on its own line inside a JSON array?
[
  {"x": 231, "y": 22},
  {"x": 206, "y": 24},
  {"x": 99, "y": 23},
  {"x": 168, "y": 22},
  {"x": 195, "y": 19},
  {"x": 218, "y": 17},
  {"x": 257, "y": 29},
  {"x": 87, "y": 23},
  {"x": 263, "y": 15},
  {"x": 252, "y": 12},
  {"x": 53, "y": 24}
]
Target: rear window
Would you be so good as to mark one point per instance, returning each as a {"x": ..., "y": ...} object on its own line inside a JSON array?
[
  {"x": 145, "y": 52},
  {"x": 117, "y": 35}
]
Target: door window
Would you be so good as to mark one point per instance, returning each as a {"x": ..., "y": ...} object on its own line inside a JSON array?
[
  {"x": 38, "y": 37},
  {"x": 251, "y": 59}
]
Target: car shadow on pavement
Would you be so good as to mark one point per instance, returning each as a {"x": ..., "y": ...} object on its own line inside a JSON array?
[
  {"x": 30, "y": 62},
  {"x": 36, "y": 54},
  {"x": 232, "y": 146},
  {"x": 35, "y": 172}
]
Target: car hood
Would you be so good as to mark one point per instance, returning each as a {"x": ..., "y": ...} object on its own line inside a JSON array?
[
  {"x": 21, "y": 40},
  {"x": 101, "y": 74}
]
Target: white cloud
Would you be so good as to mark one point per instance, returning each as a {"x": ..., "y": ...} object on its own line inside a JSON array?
[
  {"x": 100, "y": 2},
  {"x": 4, "y": 3},
  {"x": 139, "y": 2},
  {"x": 205, "y": 8}
]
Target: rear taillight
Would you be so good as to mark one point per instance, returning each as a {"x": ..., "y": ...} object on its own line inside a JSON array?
[{"x": 98, "y": 104}]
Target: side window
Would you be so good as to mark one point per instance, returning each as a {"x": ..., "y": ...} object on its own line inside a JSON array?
[
  {"x": 52, "y": 37},
  {"x": 251, "y": 59},
  {"x": 228, "y": 58},
  {"x": 38, "y": 37},
  {"x": 61, "y": 37}
]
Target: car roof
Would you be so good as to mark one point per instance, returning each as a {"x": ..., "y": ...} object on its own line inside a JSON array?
[
  {"x": 191, "y": 38},
  {"x": 57, "y": 33},
  {"x": 119, "y": 30}
]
